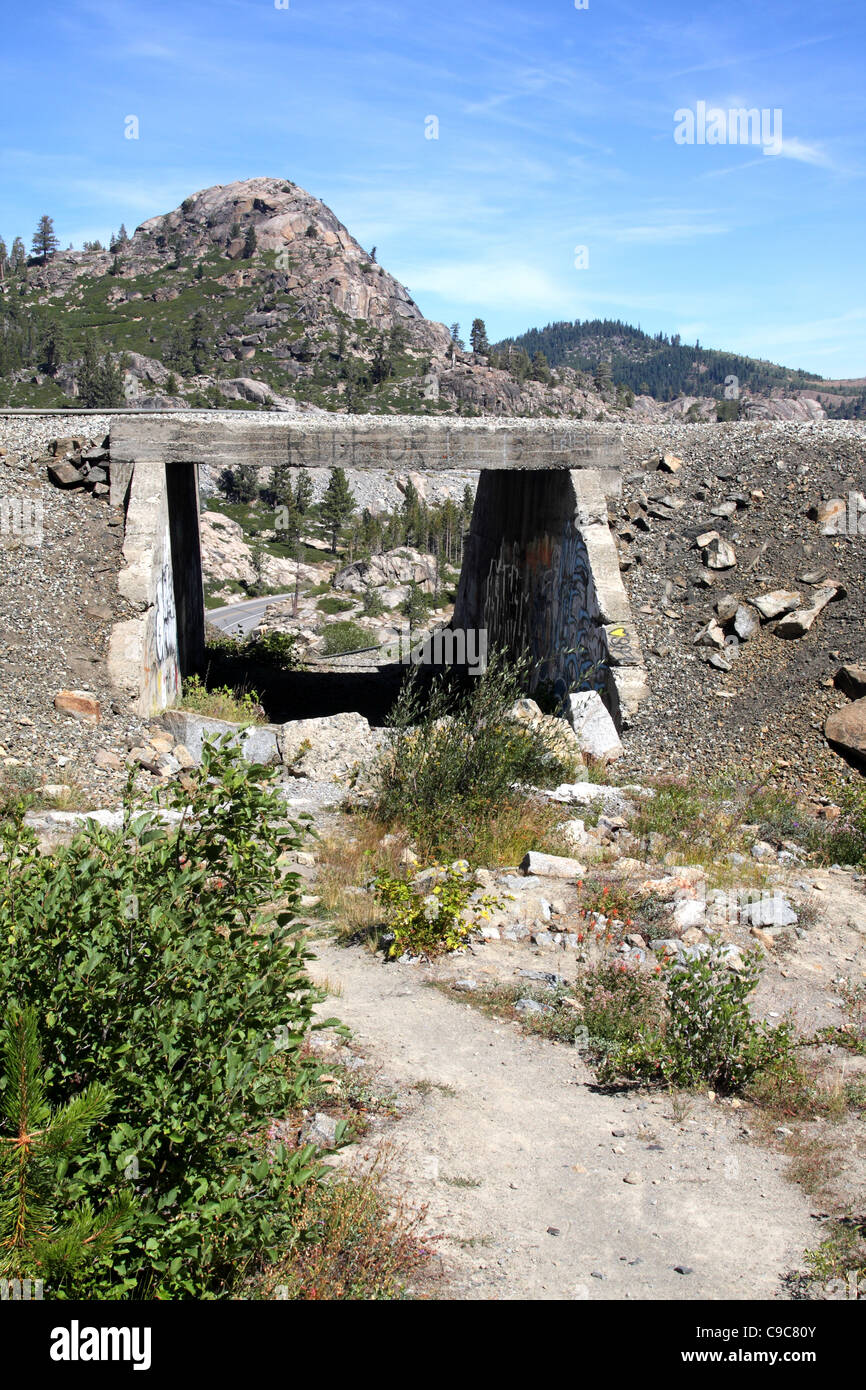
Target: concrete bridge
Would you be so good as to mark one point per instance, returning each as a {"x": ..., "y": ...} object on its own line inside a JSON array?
[{"x": 540, "y": 568}]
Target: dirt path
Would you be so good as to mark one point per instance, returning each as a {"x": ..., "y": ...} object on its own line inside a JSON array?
[{"x": 523, "y": 1166}]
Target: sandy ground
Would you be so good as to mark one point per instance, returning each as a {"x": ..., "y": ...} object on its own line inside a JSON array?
[{"x": 542, "y": 1187}]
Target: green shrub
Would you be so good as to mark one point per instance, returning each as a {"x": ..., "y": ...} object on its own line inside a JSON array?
[
  {"x": 334, "y": 603},
  {"x": 344, "y": 636},
  {"x": 279, "y": 649},
  {"x": 429, "y": 924},
  {"x": 619, "y": 1003},
  {"x": 221, "y": 702},
  {"x": 708, "y": 1035},
  {"x": 162, "y": 962},
  {"x": 843, "y": 841},
  {"x": 457, "y": 758},
  {"x": 372, "y": 605}
]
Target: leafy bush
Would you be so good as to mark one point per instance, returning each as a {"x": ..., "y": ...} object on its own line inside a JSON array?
[
  {"x": 163, "y": 962},
  {"x": 344, "y": 636},
  {"x": 708, "y": 1034},
  {"x": 334, "y": 603},
  {"x": 619, "y": 1004},
  {"x": 458, "y": 758},
  {"x": 429, "y": 924},
  {"x": 279, "y": 649}
]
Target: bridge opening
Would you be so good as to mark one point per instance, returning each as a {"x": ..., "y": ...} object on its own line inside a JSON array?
[{"x": 539, "y": 568}]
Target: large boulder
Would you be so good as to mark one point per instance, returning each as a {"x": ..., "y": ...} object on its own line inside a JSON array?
[
  {"x": 551, "y": 866},
  {"x": 226, "y": 555},
  {"x": 392, "y": 568},
  {"x": 557, "y": 734},
  {"x": 330, "y": 749},
  {"x": 776, "y": 602},
  {"x": 258, "y": 742},
  {"x": 851, "y": 680},
  {"x": 846, "y": 728}
]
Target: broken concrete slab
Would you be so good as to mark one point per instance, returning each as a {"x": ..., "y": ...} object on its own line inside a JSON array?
[
  {"x": 776, "y": 602},
  {"x": 595, "y": 729},
  {"x": 551, "y": 866},
  {"x": 798, "y": 623}
]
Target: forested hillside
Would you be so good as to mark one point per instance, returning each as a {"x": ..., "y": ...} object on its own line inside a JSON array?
[{"x": 658, "y": 365}]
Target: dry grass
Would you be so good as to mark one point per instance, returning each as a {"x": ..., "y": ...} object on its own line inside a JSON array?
[
  {"x": 806, "y": 1090},
  {"x": 355, "y": 1241},
  {"x": 25, "y": 784},
  {"x": 520, "y": 826},
  {"x": 815, "y": 1161},
  {"x": 347, "y": 862}
]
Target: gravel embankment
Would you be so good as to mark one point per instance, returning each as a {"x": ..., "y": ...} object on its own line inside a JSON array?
[{"x": 771, "y": 706}]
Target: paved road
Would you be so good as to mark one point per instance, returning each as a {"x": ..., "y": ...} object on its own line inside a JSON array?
[{"x": 240, "y": 618}]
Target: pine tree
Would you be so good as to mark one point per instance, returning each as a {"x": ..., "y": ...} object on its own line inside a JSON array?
[
  {"x": 257, "y": 560},
  {"x": 249, "y": 243},
  {"x": 53, "y": 347},
  {"x": 226, "y": 484},
  {"x": 246, "y": 483},
  {"x": 468, "y": 505},
  {"x": 178, "y": 350},
  {"x": 40, "y": 1234},
  {"x": 540, "y": 366},
  {"x": 18, "y": 257},
  {"x": 602, "y": 377},
  {"x": 414, "y": 607},
  {"x": 199, "y": 342},
  {"x": 381, "y": 367},
  {"x": 478, "y": 337},
  {"x": 45, "y": 242},
  {"x": 410, "y": 498},
  {"x": 337, "y": 505},
  {"x": 99, "y": 378},
  {"x": 303, "y": 492}
]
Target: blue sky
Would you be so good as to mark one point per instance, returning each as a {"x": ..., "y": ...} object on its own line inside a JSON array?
[{"x": 555, "y": 130}]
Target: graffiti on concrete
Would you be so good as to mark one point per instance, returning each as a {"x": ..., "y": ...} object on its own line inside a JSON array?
[
  {"x": 161, "y": 666},
  {"x": 540, "y": 598}
]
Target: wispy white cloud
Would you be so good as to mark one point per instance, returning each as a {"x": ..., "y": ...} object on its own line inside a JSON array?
[
  {"x": 804, "y": 153},
  {"x": 493, "y": 284},
  {"x": 667, "y": 234}
]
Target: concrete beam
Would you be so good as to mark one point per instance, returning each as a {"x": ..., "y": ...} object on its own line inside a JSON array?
[{"x": 365, "y": 442}]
